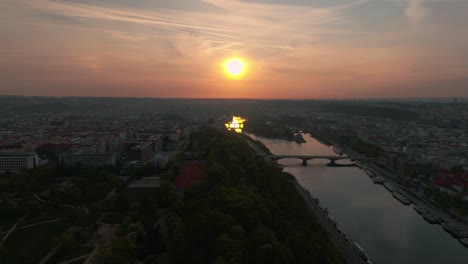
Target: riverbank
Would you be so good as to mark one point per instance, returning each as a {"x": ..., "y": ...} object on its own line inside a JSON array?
[
  {"x": 338, "y": 238},
  {"x": 367, "y": 212},
  {"x": 334, "y": 233},
  {"x": 418, "y": 200}
]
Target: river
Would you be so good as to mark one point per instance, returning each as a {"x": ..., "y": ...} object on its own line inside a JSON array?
[{"x": 389, "y": 231}]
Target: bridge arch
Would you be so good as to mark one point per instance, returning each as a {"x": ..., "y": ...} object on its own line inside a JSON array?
[{"x": 332, "y": 159}]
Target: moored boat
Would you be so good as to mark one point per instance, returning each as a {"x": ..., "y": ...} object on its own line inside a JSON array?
[
  {"x": 359, "y": 164},
  {"x": 388, "y": 186},
  {"x": 432, "y": 219},
  {"x": 337, "y": 150},
  {"x": 453, "y": 230},
  {"x": 400, "y": 197},
  {"x": 464, "y": 241},
  {"x": 377, "y": 180},
  {"x": 360, "y": 250},
  {"x": 370, "y": 173},
  {"x": 325, "y": 210},
  {"x": 299, "y": 139},
  {"x": 419, "y": 210}
]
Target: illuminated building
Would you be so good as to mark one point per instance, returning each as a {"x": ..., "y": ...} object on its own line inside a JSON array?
[{"x": 237, "y": 124}]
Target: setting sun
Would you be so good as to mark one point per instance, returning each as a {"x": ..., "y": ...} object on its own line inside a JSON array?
[{"x": 234, "y": 67}]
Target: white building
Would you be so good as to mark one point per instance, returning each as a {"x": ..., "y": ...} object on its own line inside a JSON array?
[{"x": 16, "y": 160}]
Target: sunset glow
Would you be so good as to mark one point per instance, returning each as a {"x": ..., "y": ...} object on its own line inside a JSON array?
[
  {"x": 234, "y": 67},
  {"x": 291, "y": 49}
]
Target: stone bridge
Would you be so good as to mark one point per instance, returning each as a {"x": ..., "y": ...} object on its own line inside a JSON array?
[{"x": 305, "y": 158}]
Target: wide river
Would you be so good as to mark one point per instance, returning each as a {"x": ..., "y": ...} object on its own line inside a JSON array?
[{"x": 389, "y": 231}]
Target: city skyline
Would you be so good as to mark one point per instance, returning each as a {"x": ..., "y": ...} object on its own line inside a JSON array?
[{"x": 293, "y": 49}]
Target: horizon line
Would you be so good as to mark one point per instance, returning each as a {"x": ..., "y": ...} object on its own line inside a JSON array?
[{"x": 246, "y": 98}]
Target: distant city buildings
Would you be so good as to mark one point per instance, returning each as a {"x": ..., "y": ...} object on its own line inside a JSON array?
[
  {"x": 87, "y": 139},
  {"x": 435, "y": 148},
  {"x": 88, "y": 158}
]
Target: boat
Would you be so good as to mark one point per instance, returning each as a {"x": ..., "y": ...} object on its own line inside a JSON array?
[
  {"x": 325, "y": 210},
  {"x": 316, "y": 200},
  {"x": 337, "y": 151},
  {"x": 360, "y": 250},
  {"x": 419, "y": 210},
  {"x": 338, "y": 228},
  {"x": 299, "y": 139},
  {"x": 359, "y": 164},
  {"x": 453, "y": 230},
  {"x": 432, "y": 219},
  {"x": 388, "y": 186},
  {"x": 377, "y": 180},
  {"x": 400, "y": 197},
  {"x": 464, "y": 241},
  {"x": 370, "y": 173}
]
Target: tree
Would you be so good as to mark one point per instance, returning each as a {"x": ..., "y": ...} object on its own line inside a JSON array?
[
  {"x": 219, "y": 174},
  {"x": 262, "y": 235},
  {"x": 33, "y": 207},
  {"x": 166, "y": 194},
  {"x": 124, "y": 247},
  {"x": 230, "y": 250},
  {"x": 3, "y": 251},
  {"x": 244, "y": 211},
  {"x": 66, "y": 241},
  {"x": 109, "y": 257}
]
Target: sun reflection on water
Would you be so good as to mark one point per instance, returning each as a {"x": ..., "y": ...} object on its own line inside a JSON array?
[{"x": 237, "y": 124}]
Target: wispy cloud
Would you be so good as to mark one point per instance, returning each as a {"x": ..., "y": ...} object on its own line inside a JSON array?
[
  {"x": 416, "y": 11},
  {"x": 301, "y": 49}
]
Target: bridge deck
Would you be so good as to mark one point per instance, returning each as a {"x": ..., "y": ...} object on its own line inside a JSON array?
[{"x": 304, "y": 157}]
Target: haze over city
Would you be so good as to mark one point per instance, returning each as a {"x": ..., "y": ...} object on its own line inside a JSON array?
[
  {"x": 289, "y": 49},
  {"x": 233, "y": 131}
]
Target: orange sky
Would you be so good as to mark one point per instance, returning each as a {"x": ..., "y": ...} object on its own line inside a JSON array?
[{"x": 295, "y": 49}]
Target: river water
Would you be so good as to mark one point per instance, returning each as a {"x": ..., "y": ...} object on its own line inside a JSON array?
[{"x": 389, "y": 231}]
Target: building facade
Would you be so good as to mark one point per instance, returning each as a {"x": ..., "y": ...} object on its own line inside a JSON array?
[
  {"x": 17, "y": 160},
  {"x": 137, "y": 150},
  {"x": 88, "y": 159}
]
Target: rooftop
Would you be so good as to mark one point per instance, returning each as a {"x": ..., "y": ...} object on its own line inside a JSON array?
[
  {"x": 146, "y": 182},
  {"x": 16, "y": 152}
]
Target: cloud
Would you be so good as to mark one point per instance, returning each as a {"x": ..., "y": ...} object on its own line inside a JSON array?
[
  {"x": 416, "y": 11},
  {"x": 131, "y": 37},
  {"x": 306, "y": 49},
  {"x": 251, "y": 25}
]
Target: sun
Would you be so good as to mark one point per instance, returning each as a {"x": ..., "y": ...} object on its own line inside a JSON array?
[{"x": 234, "y": 67}]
